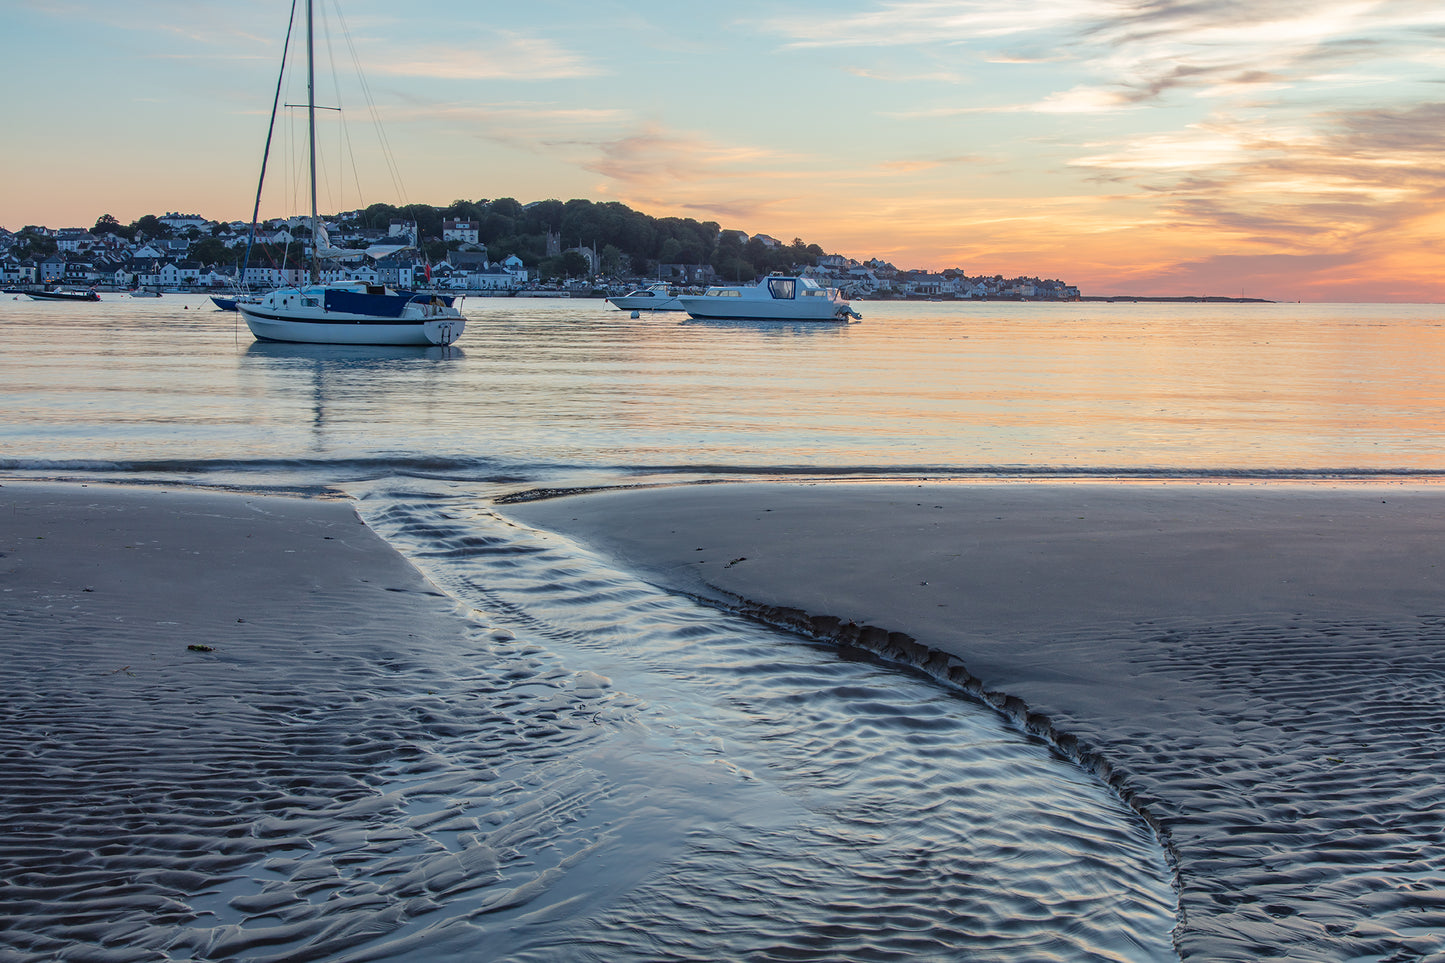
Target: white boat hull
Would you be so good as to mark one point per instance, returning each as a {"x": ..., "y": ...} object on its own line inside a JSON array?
[
  {"x": 343, "y": 330},
  {"x": 350, "y": 312},
  {"x": 711, "y": 309},
  {"x": 774, "y": 298},
  {"x": 655, "y": 298}
]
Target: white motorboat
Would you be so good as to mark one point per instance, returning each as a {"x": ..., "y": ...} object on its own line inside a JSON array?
[
  {"x": 654, "y": 297},
  {"x": 343, "y": 312},
  {"x": 773, "y": 298}
]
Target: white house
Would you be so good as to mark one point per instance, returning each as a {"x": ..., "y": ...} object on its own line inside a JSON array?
[
  {"x": 457, "y": 230},
  {"x": 491, "y": 278},
  {"x": 179, "y": 273},
  {"x": 15, "y": 271},
  {"x": 69, "y": 240},
  {"x": 179, "y": 222}
]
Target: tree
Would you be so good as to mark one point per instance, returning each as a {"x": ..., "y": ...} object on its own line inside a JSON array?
[
  {"x": 210, "y": 250},
  {"x": 106, "y": 224},
  {"x": 575, "y": 264},
  {"x": 614, "y": 262},
  {"x": 151, "y": 226}
]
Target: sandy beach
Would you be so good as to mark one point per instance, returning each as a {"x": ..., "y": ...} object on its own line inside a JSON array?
[
  {"x": 1258, "y": 670},
  {"x": 225, "y": 734},
  {"x": 188, "y": 680}
]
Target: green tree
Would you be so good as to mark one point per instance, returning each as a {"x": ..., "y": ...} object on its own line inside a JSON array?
[
  {"x": 150, "y": 226},
  {"x": 614, "y": 261},
  {"x": 575, "y": 265}
]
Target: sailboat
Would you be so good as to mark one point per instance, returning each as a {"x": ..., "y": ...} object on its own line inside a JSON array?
[{"x": 348, "y": 311}]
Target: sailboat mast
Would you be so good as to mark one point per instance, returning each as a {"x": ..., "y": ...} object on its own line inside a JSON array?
[{"x": 311, "y": 125}]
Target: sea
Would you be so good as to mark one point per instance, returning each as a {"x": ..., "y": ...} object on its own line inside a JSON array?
[{"x": 802, "y": 803}]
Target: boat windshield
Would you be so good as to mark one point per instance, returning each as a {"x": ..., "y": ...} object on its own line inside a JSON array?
[{"x": 782, "y": 288}]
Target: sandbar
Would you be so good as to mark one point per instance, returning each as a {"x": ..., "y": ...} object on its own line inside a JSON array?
[{"x": 1258, "y": 669}]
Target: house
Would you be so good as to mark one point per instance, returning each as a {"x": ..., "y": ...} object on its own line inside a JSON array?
[
  {"x": 77, "y": 272},
  {"x": 494, "y": 277},
  {"x": 687, "y": 273},
  {"x": 179, "y": 222},
  {"x": 52, "y": 268},
  {"x": 458, "y": 230},
  {"x": 71, "y": 240},
  {"x": 270, "y": 277},
  {"x": 174, "y": 274},
  {"x": 397, "y": 269},
  {"x": 15, "y": 271},
  {"x": 220, "y": 276}
]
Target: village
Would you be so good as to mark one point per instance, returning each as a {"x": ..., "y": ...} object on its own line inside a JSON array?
[{"x": 190, "y": 253}]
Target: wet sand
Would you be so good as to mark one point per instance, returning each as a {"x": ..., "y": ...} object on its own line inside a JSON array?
[
  {"x": 188, "y": 683},
  {"x": 1258, "y": 670}
]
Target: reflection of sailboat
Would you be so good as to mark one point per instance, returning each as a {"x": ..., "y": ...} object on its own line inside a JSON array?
[
  {"x": 338, "y": 378},
  {"x": 353, "y": 355},
  {"x": 345, "y": 312}
]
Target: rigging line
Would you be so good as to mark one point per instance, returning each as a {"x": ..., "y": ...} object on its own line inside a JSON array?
[
  {"x": 388, "y": 155},
  {"x": 337, "y": 202},
  {"x": 270, "y": 129}
]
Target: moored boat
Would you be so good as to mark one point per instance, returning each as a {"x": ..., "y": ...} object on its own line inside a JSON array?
[
  {"x": 353, "y": 312},
  {"x": 349, "y": 311},
  {"x": 654, "y": 297},
  {"x": 58, "y": 295},
  {"x": 773, "y": 298},
  {"x": 230, "y": 303}
]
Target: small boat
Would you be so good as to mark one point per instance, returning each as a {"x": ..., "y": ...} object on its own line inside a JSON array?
[
  {"x": 57, "y": 295},
  {"x": 145, "y": 293},
  {"x": 353, "y": 312},
  {"x": 229, "y": 304},
  {"x": 773, "y": 298},
  {"x": 655, "y": 297},
  {"x": 349, "y": 311}
]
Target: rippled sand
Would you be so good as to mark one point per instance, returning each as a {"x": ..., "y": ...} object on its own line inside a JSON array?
[
  {"x": 244, "y": 728},
  {"x": 1261, "y": 671}
]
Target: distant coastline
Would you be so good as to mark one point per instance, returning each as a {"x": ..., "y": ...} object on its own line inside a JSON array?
[{"x": 1115, "y": 298}]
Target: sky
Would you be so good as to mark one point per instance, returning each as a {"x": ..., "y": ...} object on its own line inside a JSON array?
[{"x": 1281, "y": 149}]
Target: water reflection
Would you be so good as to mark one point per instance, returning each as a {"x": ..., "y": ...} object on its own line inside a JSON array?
[{"x": 342, "y": 382}]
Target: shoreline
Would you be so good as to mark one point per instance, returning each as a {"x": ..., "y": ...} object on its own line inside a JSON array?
[{"x": 1241, "y": 664}]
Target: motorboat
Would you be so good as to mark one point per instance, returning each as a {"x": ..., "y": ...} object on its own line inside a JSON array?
[
  {"x": 654, "y": 297},
  {"x": 773, "y": 298},
  {"x": 353, "y": 312},
  {"x": 146, "y": 293},
  {"x": 58, "y": 295},
  {"x": 345, "y": 311}
]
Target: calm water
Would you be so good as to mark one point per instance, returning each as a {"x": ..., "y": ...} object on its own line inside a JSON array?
[
  {"x": 700, "y": 787},
  {"x": 539, "y": 387}
]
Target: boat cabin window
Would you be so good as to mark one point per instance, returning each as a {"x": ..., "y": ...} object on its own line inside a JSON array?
[{"x": 782, "y": 288}]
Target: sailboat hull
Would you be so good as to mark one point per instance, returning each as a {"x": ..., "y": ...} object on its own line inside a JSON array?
[
  {"x": 342, "y": 330},
  {"x": 349, "y": 312}
]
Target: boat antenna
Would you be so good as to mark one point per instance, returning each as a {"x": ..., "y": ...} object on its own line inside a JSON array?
[{"x": 311, "y": 125}]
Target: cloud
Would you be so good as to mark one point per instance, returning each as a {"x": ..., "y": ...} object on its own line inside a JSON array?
[
  {"x": 1144, "y": 49},
  {"x": 654, "y": 156},
  {"x": 499, "y": 56}
]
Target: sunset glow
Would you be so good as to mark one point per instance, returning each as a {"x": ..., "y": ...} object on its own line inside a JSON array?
[{"x": 1274, "y": 149}]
